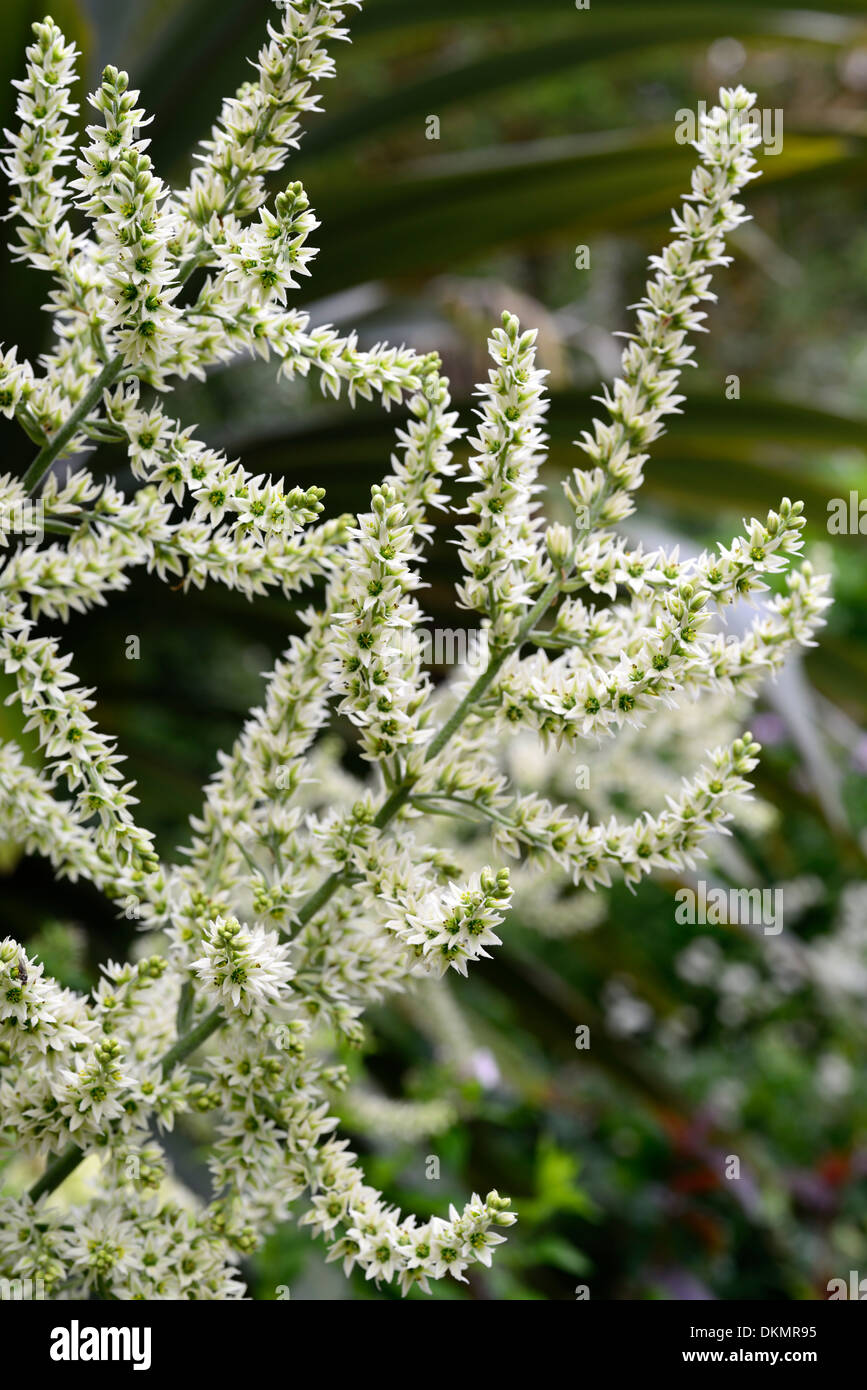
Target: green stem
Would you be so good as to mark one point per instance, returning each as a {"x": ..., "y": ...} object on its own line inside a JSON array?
[
  {"x": 58, "y": 1171},
  {"x": 190, "y": 1041},
  {"x": 318, "y": 899},
  {"x": 184, "y": 1014},
  {"x": 193, "y": 261},
  {"x": 451, "y": 726},
  {"x": 46, "y": 456},
  {"x": 69, "y": 1160},
  {"x": 430, "y": 803},
  {"x": 401, "y": 795}
]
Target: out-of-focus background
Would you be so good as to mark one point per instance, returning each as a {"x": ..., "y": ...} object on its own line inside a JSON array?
[{"x": 556, "y": 130}]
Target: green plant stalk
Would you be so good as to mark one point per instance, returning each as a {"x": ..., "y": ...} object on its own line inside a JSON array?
[
  {"x": 401, "y": 795},
  {"x": 50, "y": 451},
  {"x": 69, "y": 1160},
  {"x": 58, "y": 1171}
]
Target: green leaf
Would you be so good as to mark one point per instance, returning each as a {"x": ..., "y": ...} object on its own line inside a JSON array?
[
  {"x": 597, "y": 39},
  {"x": 554, "y": 1251},
  {"x": 394, "y": 14},
  {"x": 445, "y": 212},
  {"x": 724, "y": 456},
  {"x": 556, "y": 1186}
]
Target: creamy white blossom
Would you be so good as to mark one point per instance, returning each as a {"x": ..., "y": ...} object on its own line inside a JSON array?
[{"x": 309, "y": 892}]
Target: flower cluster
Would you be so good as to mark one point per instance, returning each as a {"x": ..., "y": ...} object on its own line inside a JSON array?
[
  {"x": 124, "y": 197},
  {"x": 310, "y": 892},
  {"x": 242, "y": 969},
  {"x": 501, "y": 551},
  {"x": 451, "y": 928}
]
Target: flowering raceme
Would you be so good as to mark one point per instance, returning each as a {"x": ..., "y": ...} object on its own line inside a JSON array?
[{"x": 309, "y": 893}]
